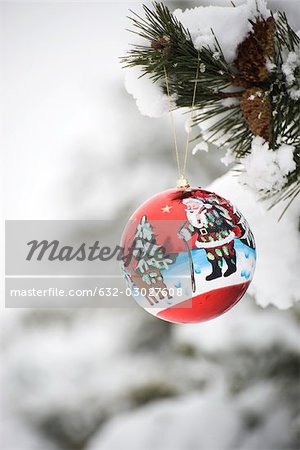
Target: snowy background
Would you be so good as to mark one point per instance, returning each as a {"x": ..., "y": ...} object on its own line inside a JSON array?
[{"x": 77, "y": 147}]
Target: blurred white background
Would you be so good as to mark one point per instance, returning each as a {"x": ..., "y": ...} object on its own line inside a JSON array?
[{"x": 69, "y": 125}]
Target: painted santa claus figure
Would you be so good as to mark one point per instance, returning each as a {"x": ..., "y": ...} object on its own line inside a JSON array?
[
  {"x": 216, "y": 229},
  {"x": 205, "y": 257}
]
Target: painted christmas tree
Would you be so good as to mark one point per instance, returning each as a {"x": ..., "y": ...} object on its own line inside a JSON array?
[{"x": 149, "y": 259}]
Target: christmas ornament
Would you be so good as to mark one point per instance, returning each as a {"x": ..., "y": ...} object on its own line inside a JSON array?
[{"x": 188, "y": 255}]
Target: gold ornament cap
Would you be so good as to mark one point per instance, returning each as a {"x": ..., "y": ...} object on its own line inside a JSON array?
[{"x": 182, "y": 183}]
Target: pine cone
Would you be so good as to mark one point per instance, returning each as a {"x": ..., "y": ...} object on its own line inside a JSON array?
[
  {"x": 256, "y": 108},
  {"x": 253, "y": 51},
  {"x": 162, "y": 44},
  {"x": 264, "y": 31}
]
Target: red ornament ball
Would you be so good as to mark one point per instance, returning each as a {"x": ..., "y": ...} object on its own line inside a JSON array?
[{"x": 188, "y": 255}]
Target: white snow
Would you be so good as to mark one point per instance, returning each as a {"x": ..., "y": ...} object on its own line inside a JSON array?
[
  {"x": 276, "y": 279},
  {"x": 229, "y": 101},
  {"x": 202, "y": 67},
  {"x": 202, "y": 19},
  {"x": 242, "y": 328},
  {"x": 188, "y": 125},
  {"x": 291, "y": 63},
  {"x": 207, "y": 421},
  {"x": 290, "y": 67},
  {"x": 149, "y": 97},
  {"x": 285, "y": 159},
  {"x": 200, "y": 147},
  {"x": 265, "y": 169},
  {"x": 270, "y": 65},
  {"x": 229, "y": 158}
]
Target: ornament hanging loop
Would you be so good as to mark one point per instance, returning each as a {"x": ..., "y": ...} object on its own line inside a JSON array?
[{"x": 182, "y": 181}]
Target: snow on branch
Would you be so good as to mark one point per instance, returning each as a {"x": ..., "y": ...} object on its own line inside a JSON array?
[{"x": 248, "y": 94}]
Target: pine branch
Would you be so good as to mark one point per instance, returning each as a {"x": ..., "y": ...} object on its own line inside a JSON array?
[{"x": 168, "y": 46}]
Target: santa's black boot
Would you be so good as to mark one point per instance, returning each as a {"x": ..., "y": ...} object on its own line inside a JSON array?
[
  {"x": 231, "y": 266},
  {"x": 216, "y": 271}
]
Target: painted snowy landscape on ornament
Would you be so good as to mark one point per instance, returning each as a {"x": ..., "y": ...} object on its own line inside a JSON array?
[{"x": 177, "y": 277}]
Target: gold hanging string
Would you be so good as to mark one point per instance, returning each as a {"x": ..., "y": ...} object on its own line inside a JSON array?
[
  {"x": 181, "y": 173},
  {"x": 173, "y": 128},
  {"x": 191, "y": 121}
]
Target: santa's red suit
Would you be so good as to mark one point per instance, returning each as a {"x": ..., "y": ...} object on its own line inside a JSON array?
[{"x": 216, "y": 229}]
